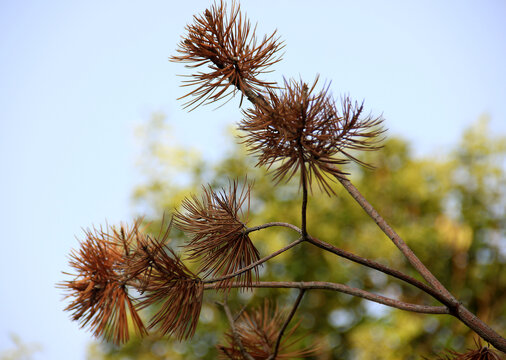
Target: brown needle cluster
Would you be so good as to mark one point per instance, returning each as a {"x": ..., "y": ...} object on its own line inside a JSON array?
[
  {"x": 258, "y": 333},
  {"x": 227, "y": 45},
  {"x": 110, "y": 262},
  {"x": 480, "y": 353},
  {"x": 304, "y": 129},
  {"x": 219, "y": 241},
  {"x": 100, "y": 295},
  {"x": 177, "y": 291}
]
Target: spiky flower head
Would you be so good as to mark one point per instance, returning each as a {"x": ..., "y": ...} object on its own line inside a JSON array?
[
  {"x": 304, "y": 130},
  {"x": 99, "y": 289},
  {"x": 217, "y": 223},
  {"x": 225, "y": 43},
  {"x": 258, "y": 332}
]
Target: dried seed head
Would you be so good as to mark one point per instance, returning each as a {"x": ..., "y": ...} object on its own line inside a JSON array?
[
  {"x": 99, "y": 291},
  {"x": 258, "y": 333},
  {"x": 217, "y": 225},
  {"x": 305, "y": 131},
  {"x": 227, "y": 45}
]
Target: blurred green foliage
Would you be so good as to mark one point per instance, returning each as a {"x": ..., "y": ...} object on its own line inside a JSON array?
[
  {"x": 449, "y": 209},
  {"x": 20, "y": 350}
]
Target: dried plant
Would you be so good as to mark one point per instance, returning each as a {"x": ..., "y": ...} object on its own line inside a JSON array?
[
  {"x": 111, "y": 261},
  {"x": 298, "y": 128},
  {"x": 144, "y": 254},
  {"x": 258, "y": 332},
  {"x": 304, "y": 129},
  {"x": 100, "y": 295},
  {"x": 227, "y": 44},
  {"x": 479, "y": 353},
  {"x": 220, "y": 242},
  {"x": 178, "y": 292}
]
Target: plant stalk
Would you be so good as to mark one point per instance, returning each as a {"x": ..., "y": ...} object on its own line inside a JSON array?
[
  {"x": 397, "y": 240},
  {"x": 456, "y": 308},
  {"x": 287, "y": 321},
  {"x": 425, "y": 309}
]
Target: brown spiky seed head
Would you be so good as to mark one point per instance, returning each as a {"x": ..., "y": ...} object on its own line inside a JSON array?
[
  {"x": 226, "y": 44},
  {"x": 100, "y": 296},
  {"x": 217, "y": 223},
  {"x": 304, "y": 130},
  {"x": 258, "y": 332}
]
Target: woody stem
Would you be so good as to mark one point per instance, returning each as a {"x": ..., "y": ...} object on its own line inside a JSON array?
[
  {"x": 321, "y": 285},
  {"x": 287, "y": 321}
]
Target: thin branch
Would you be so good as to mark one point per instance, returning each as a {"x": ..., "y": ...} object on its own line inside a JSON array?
[
  {"x": 425, "y": 309},
  {"x": 238, "y": 315},
  {"x": 397, "y": 240},
  {"x": 287, "y": 321},
  {"x": 304, "y": 201},
  {"x": 255, "y": 98},
  {"x": 231, "y": 321},
  {"x": 257, "y": 263},
  {"x": 271, "y": 224},
  {"x": 380, "y": 267},
  {"x": 481, "y": 328},
  {"x": 303, "y": 170}
]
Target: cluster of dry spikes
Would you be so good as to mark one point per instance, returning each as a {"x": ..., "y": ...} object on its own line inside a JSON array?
[{"x": 300, "y": 132}]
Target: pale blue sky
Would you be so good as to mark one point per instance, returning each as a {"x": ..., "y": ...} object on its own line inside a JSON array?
[{"x": 76, "y": 76}]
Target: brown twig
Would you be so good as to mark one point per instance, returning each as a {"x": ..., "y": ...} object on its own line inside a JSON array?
[
  {"x": 236, "y": 336},
  {"x": 304, "y": 202},
  {"x": 255, "y": 264},
  {"x": 271, "y": 224},
  {"x": 481, "y": 328},
  {"x": 238, "y": 315},
  {"x": 425, "y": 309},
  {"x": 287, "y": 321},
  {"x": 377, "y": 266}
]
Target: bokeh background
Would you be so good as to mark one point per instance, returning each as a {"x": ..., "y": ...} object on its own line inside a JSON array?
[{"x": 80, "y": 82}]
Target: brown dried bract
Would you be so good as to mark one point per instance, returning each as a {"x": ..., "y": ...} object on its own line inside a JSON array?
[
  {"x": 258, "y": 333},
  {"x": 99, "y": 291},
  {"x": 220, "y": 243},
  {"x": 306, "y": 131},
  {"x": 227, "y": 45},
  {"x": 177, "y": 291}
]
